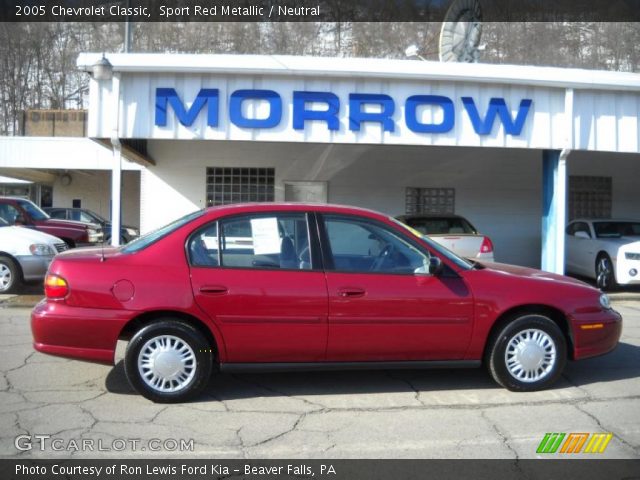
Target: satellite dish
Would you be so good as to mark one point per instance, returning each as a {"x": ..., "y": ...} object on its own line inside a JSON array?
[{"x": 461, "y": 31}]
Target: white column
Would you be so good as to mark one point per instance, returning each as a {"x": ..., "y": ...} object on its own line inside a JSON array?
[{"x": 116, "y": 170}]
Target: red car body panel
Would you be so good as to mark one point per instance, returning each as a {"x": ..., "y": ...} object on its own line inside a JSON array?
[
  {"x": 269, "y": 316},
  {"x": 400, "y": 318}
]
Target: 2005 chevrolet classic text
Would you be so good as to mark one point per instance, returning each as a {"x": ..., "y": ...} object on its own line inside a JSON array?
[{"x": 295, "y": 286}]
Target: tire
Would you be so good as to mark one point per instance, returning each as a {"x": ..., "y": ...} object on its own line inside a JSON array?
[
  {"x": 605, "y": 275},
  {"x": 546, "y": 357},
  {"x": 174, "y": 380},
  {"x": 10, "y": 275},
  {"x": 70, "y": 243}
]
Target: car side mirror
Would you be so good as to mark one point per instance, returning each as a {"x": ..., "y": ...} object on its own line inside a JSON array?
[
  {"x": 435, "y": 266},
  {"x": 584, "y": 235}
]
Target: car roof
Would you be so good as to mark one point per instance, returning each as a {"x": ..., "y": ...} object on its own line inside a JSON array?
[
  {"x": 291, "y": 206},
  {"x": 429, "y": 215}
]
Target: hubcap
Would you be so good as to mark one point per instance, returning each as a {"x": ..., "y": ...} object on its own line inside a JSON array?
[
  {"x": 530, "y": 355},
  {"x": 167, "y": 363},
  {"x": 603, "y": 273},
  {"x": 5, "y": 277}
]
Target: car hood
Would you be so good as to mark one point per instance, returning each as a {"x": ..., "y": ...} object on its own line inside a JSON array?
[
  {"x": 527, "y": 272},
  {"x": 619, "y": 241},
  {"x": 29, "y": 235},
  {"x": 68, "y": 224},
  {"x": 107, "y": 226}
]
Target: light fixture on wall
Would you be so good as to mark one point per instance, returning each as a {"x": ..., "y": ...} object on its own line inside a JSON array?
[
  {"x": 102, "y": 69},
  {"x": 65, "y": 179}
]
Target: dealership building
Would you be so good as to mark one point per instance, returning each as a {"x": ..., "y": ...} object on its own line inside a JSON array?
[{"x": 517, "y": 150}]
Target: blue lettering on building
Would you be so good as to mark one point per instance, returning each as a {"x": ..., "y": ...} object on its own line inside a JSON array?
[
  {"x": 237, "y": 116},
  {"x": 301, "y": 114},
  {"x": 411, "y": 114},
  {"x": 325, "y": 107},
  {"x": 168, "y": 96}
]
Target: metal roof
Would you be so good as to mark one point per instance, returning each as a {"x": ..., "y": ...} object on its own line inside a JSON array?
[{"x": 282, "y": 65}]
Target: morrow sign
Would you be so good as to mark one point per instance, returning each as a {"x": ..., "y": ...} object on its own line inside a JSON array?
[{"x": 326, "y": 107}]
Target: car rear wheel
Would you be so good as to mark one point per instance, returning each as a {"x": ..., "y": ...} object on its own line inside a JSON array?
[
  {"x": 605, "y": 277},
  {"x": 527, "y": 354},
  {"x": 9, "y": 275},
  {"x": 168, "y": 361}
]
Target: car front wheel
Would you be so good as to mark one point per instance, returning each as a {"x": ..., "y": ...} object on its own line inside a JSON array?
[
  {"x": 605, "y": 278},
  {"x": 527, "y": 354},
  {"x": 168, "y": 361},
  {"x": 9, "y": 275}
]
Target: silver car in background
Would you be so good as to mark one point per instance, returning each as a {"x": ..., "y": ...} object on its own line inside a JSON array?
[
  {"x": 25, "y": 255},
  {"x": 453, "y": 232}
]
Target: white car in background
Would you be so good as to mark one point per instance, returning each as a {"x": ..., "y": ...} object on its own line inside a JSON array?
[
  {"x": 607, "y": 250},
  {"x": 25, "y": 255},
  {"x": 453, "y": 232}
]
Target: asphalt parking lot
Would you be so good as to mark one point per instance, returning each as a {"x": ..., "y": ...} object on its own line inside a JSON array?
[{"x": 380, "y": 414}]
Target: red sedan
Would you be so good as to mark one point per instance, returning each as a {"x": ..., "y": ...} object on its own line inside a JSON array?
[{"x": 293, "y": 286}]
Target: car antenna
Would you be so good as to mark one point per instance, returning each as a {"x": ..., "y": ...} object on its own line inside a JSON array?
[{"x": 102, "y": 259}]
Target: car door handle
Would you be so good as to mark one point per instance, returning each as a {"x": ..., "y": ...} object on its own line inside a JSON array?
[
  {"x": 213, "y": 289},
  {"x": 351, "y": 292}
]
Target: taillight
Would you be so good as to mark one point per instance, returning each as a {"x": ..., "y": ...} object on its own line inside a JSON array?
[
  {"x": 55, "y": 286},
  {"x": 487, "y": 246}
]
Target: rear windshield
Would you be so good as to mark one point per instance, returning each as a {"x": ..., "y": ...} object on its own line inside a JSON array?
[
  {"x": 441, "y": 225},
  {"x": 616, "y": 229},
  {"x": 151, "y": 237}
]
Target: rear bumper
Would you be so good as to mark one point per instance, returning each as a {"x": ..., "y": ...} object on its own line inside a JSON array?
[
  {"x": 595, "y": 333},
  {"x": 34, "y": 267},
  {"x": 83, "y": 333}
]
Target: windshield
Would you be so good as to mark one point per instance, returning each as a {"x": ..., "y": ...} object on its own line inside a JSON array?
[
  {"x": 616, "y": 229},
  {"x": 34, "y": 212},
  {"x": 95, "y": 216},
  {"x": 445, "y": 252},
  {"x": 151, "y": 237}
]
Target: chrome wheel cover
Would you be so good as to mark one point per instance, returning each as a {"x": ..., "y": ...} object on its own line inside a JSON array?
[
  {"x": 603, "y": 272},
  {"x": 530, "y": 355},
  {"x": 166, "y": 363},
  {"x": 6, "y": 279}
]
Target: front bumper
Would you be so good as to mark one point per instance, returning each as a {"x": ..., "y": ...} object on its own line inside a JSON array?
[
  {"x": 595, "y": 333},
  {"x": 34, "y": 267},
  {"x": 83, "y": 333}
]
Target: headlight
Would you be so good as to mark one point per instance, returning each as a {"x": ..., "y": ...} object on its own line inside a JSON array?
[
  {"x": 632, "y": 256},
  {"x": 605, "y": 302},
  {"x": 41, "y": 249},
  {"x": 132, "y": 232}
]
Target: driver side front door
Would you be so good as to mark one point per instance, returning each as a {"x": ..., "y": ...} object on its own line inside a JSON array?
[{"x": 383, "y": 306}]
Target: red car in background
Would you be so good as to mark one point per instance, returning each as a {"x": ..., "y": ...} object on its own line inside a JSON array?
[
  {"x": 23, "y": 212},
  {"x": 310, "y": 287}
]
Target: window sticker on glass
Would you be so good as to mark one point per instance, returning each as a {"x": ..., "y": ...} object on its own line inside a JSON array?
[{"x": 266, "y": 238}]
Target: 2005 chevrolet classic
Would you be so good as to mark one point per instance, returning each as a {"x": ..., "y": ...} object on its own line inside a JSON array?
[{"x": 295, "y": 286}]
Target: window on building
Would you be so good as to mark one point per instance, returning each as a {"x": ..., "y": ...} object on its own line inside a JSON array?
[
  {"x": 233, "y": 185},
  {"x": 430, "y": 200},
  {"x": 590, "y": 197}
]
